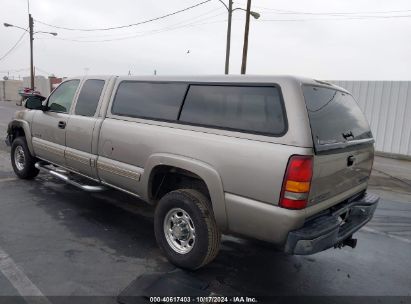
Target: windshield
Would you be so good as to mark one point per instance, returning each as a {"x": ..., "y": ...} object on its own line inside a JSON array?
[{"x": 334, "y": 116}]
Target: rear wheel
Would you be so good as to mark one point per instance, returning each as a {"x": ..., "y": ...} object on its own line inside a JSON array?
[
  {"x": 21, "y": 159},
  {"x": 185, "y": 229}
]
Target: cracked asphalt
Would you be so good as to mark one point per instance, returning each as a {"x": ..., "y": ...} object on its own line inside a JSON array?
[{"x": 67, "y": 242}]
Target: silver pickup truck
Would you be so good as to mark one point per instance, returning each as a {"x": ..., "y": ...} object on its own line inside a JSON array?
[{"x": 275, "y": 158}]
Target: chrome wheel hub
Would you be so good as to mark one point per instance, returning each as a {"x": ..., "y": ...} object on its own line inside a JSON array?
[
  {"x": 19, "y": 158},
  {"x": 179, "y": 230}
]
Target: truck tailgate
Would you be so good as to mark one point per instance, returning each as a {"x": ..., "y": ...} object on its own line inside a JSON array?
[
  {"x": 338, "y": 173},
  {"x": 343, "y": 145}
]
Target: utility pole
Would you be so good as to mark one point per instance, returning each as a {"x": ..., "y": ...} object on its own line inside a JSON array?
[
  {"x": 31, "y": 33},
  {"x": 230, "y": 11},
  {"x": 246, "y": 31},
  {"x": 227, "y": 51},
  {"x": 31, "y": 52}
]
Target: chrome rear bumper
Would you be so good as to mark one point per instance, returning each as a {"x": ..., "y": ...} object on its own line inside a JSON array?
[{"x": 333, "y": 229}]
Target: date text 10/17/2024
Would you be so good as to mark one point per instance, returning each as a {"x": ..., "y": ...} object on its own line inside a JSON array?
[{"x": 206, "y": 299}]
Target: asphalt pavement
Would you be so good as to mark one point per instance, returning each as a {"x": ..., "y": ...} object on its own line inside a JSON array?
[{"x": 56, "y": 240}]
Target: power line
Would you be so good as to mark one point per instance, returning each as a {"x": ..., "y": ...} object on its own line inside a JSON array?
[
  {"x": 291, "y": 12},
  {"x": 141, "y": 34},
  {"x": 124, "y": 26},
  {"x": 42, "y": 70},
  {"x": 175, "y": 26},
  {"x": 341, "y": 18},
  {"x": 339, "y": 15},
  {"x": 14, "y": 46},
  {"x": 201, "y": 17},
  {"x": 14, "y": 70}
]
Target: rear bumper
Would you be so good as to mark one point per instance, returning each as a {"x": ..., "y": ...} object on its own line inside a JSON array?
[{"x": 327, "y": 230}]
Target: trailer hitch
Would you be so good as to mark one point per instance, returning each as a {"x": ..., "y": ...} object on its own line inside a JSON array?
[{"x": 347, "y": 242}]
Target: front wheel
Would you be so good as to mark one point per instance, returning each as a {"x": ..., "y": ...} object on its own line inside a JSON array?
[
  {"x": 21, "y": 159},
  {"x": 185, "y": 229}
]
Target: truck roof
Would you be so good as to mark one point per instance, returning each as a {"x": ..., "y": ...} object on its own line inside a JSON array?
[{"x": 226, "y": 78}]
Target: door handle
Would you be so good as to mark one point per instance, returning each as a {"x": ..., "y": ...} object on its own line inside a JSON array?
[
  {"x": 62, "y": 124},
  {"x": 350, "y": 160}
]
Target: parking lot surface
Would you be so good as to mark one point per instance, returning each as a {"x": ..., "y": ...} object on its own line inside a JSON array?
[{"x": 59, "y": 241}]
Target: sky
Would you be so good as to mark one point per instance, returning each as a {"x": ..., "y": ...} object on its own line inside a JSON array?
[{"x": 322, "y": 39}]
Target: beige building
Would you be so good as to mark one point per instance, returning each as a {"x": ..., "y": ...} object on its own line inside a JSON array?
[{"x": 9, "y": 89}]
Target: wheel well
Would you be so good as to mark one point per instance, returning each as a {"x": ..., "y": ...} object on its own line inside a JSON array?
[
  {"x": 16, "y": 131},
  {"x": 164, "y": 179}
]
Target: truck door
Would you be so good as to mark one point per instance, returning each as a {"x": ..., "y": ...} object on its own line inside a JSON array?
[
  {"x": 49, "y": 127},
  {"x": 83, "y": 128}
]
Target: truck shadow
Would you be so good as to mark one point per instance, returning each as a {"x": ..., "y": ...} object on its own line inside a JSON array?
[{"x": 121, "y": 226}]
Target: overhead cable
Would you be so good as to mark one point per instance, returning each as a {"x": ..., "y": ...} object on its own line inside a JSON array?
[{"x": 123, "y": 26}]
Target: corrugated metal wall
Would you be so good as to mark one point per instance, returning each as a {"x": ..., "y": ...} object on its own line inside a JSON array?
[{"x": 387, "y": 106}]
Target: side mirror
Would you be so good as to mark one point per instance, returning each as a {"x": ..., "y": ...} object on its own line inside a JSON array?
[{"x": 35, "y": 102}]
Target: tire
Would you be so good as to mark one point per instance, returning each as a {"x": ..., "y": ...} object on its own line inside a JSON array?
[
  {"x": 206, "y": 241},
  {"x": 21, "y": 159}
]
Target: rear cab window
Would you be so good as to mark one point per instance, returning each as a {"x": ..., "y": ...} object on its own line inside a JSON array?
[
  {"x": 257, "y": 109},
  {"x": 89, "y": 97},
  {"x": 335, "y": 118},
  {"x": 253, "y": 109}
]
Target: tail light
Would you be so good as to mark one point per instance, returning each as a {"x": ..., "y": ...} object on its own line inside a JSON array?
[{"x": 297, "y": 182}]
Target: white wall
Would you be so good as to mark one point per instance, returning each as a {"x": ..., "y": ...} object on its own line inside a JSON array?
[
  {"x": 41, "y": 84},
  {"x": 387, "y": 106},
  {"x": 9, "y": 90}
]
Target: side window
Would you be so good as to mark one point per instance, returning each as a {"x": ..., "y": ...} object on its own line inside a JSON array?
[
  {"x": 62, "y": 97},
  {"x": 149, "y": 100},
  {"x": 241, "y": 108},
  {"x": 89, "y": 97}
]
